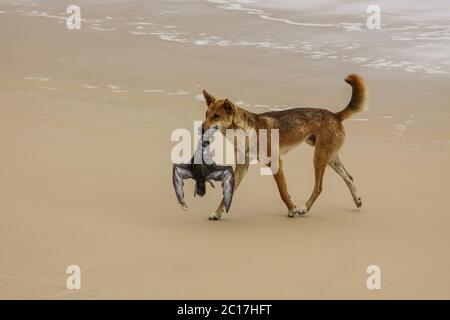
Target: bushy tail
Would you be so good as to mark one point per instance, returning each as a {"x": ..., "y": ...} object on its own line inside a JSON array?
[{"x": 359, "y": 97}]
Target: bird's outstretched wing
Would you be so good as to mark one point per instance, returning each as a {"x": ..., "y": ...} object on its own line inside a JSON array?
[
  {"x": 224, "y": 174},
  {"x": 180, "y": 173}
]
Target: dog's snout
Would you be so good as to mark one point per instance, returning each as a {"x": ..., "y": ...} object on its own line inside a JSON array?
[{"x": 203, "y": 128}]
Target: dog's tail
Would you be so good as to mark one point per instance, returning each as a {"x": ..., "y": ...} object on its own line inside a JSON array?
[{"x": 359, "y": 97}]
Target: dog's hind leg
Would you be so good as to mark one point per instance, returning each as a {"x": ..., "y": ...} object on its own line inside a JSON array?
[
  {"x": 239, "y": 173},
  {"x": 337, "y": 166}
]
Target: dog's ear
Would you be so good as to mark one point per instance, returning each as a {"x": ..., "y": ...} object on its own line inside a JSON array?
[
  {"x": 228, "y": 106},
  {"x": 208, "y": 98}
]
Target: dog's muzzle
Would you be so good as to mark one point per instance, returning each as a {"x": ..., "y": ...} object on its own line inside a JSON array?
[{"x": 207, "y": 133}]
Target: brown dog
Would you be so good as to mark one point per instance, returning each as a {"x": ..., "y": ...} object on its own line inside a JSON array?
[{"x": 318, "y": 127}]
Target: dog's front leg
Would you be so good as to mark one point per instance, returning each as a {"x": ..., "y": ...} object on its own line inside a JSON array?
[
  {"x": 239, "y": 173},
  {"x": 282, "y": 188}
]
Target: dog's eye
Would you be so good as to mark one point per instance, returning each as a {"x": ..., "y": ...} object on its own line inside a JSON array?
[{"x": 216, "y": 116}]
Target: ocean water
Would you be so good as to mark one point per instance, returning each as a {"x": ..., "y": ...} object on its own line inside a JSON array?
[{"x": 414, "y": 36}]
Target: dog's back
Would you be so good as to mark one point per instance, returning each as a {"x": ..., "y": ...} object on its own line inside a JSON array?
[{"x": 297, "y": 124}]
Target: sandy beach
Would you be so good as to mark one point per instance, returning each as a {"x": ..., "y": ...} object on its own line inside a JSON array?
[{"x": 86, "y": 176}]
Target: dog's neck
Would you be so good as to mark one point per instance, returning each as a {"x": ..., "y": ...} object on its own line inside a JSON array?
[{"x": 244, "y": 119}]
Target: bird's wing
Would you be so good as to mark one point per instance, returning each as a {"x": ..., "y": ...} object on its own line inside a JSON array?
[
  {"x": 180, "y": 173},
  {"x": 224, "y": 174}
]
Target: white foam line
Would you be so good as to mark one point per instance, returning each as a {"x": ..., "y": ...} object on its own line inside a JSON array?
[
  {"x": 202, "y": 42},
  {"x": 35, "y": 13},
  {"x": 140, "y": 24},
  {"x": 352, "y": 26},
  {"x": 103, "y": 29},
  {"x": 47, "y": 88},
  {"x": 137, "y": 33},
  {"x": 87, "y": 86},
  {"x": 227, "y": 5},
  {"x": 162, "y": 12},
  {"x": 113, "y": 87},
  {"x": 153, "y": 90},
  {"x": 179, "y": 93},
  {"x": 435, "y": 71},
  {"x": 237, "y": 6},
  {"x": 303, "y": 24},
  {"x": 359, "y": 119},
  {"x": 360, "y": 59}
]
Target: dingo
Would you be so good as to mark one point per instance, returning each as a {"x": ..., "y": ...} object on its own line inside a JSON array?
[{"x": 318, "y": 127}]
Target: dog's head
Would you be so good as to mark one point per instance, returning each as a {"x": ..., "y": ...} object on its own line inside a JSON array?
[{"x": 220, "y": 113}]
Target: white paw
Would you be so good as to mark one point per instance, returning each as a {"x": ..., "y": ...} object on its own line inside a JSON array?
[
  {"x": 214, "y": 216},
  {"x": 292, "y": 212},
  {"x": 302, "y": 211}
]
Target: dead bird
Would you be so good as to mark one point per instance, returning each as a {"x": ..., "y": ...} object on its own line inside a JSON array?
[{"x": 202, "y": 169}]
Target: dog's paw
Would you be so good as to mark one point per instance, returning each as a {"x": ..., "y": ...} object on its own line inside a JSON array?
[
  {"x": 358, "y": 203},
  {"x": 214, "y": 216},
  {"x": 302, "y": 211},
  {"x": 292, "y": 212}
]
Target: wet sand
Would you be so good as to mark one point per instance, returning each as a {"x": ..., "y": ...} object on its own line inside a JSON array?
[{"x": 86, "y": 118}]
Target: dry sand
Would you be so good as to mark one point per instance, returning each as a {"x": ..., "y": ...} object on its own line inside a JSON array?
[{"x": 86, "y": 118}]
